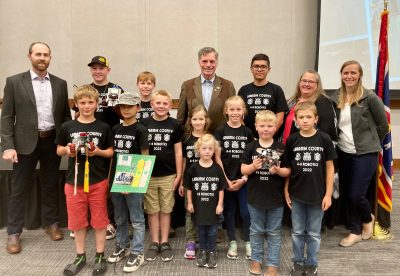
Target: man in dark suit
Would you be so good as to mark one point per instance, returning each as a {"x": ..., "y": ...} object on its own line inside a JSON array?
[
  {"x": 35, "y": 104},
  {"x": 207, "y": 89}
]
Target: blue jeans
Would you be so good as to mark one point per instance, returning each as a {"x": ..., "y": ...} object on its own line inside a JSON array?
[
  {"x": 230, "y": 212},
  {"x": 266, "y": 224},
  {"x": 306, "y": 229},
  {"x": 207, "y": 235},
  {"x": 129, "y": 206}
]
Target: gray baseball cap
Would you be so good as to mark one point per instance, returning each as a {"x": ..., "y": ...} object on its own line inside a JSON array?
[{"x": 128, "y": 98}]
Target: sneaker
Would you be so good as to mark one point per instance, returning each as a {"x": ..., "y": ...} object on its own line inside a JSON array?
[
  {"x": 255, "y": 268},
  {"x": 110, "y": 232},
  {"x": 297, "y": 270},
  {"x": 311, "y": 270},
  {"x": 232, "y": 251},
  {"x": 202, "y": 259},
  {"x": 248, "y": 250},
  {"x": 212, "y": 260},
  {"x": 166, "y": 252},
  {"x": 72, "y": 234},
  {"x": 75, "y": 267},
  {"x": 118, "y": 254},
  {"x": 100, "y": 265},
  {"x": 152, "y": 252},
  {"x": 190, "y": 252},
  {"x": 133, "y": 263}
]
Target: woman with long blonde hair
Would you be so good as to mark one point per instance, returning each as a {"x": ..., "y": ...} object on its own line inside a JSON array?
[{"x": 362, "y": 125}]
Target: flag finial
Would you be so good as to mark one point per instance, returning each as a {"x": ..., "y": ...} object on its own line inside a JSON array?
[{"x": 385, "y": 4}]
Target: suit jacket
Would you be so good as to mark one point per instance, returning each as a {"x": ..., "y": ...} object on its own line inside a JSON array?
[
  {"x": 19, "y": 120},
  {"x": 191, "y": 95}
]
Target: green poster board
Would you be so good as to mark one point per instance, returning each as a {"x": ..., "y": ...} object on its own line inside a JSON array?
[{"x": 132, "y": 173}]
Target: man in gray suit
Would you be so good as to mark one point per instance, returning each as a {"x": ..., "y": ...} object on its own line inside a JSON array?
[
  {"x": 35, "y": 104},
  {"x": 207, "y": 89}
]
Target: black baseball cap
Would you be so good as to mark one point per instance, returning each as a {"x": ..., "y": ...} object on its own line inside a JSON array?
[{"x": 99, "y": 60}]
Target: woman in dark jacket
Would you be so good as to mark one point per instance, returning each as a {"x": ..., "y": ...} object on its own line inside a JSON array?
[
  {"x": 309, "y": 88},
  {"x": 362, "y": 125}
]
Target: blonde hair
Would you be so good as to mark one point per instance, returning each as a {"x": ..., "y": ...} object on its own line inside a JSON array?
[
  {"x": 233, "y": 99},
  {"x": 307, "y": 105},
  {"x": 358, "y": 92},
  {"x": 145, "y": 76},
  {"x": 194, "y": 110},
  {"x": 207, "y": 139},
  {"x": 318, "y": 92},
  {"x": 265, "y": 116},
  {"x": 164, "y": 93},
  {"x": 86, "y": 90}
]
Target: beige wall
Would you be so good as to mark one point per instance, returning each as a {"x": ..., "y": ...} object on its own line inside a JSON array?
[{"x": 162, "y": 36}]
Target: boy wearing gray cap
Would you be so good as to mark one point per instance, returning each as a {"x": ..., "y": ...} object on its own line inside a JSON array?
[{"x": 129, "y": 137}]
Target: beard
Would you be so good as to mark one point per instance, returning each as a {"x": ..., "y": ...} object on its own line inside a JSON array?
[{"x": 41, "y": 66}]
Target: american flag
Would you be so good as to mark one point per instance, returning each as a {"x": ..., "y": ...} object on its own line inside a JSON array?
[{"x": 385, "y": 165}]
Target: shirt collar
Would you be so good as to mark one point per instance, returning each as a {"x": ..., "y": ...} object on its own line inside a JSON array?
[
  {"x": 35, "y": 76},
  {"x": 203, "y": 79}
]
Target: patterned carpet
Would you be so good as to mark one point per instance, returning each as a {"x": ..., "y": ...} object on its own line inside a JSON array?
[{"x": 40, "y": 256}]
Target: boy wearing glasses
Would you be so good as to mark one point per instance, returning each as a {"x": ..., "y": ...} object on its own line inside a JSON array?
[{"x": 262, "y": 94}]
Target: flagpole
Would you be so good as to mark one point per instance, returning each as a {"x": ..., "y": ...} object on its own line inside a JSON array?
[{"x": 376, "y": 222}]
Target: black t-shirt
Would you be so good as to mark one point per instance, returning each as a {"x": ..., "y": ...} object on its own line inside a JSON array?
[
  {"x": 307, "y": 157},
  {"x": 257, "y": 98},
  {"x": 326, "y": 118},
  {"x": 189, "y": 152},
  {"x": 264, "y": 190},
  {"x": 233, "y": 141},
  {"x": 100, "y": 134},
  {"x": 205, "y": 184},
  {"x": 128, "y": 139},
  {"x": 145, "y": 111},
  {"x": 163, "y": 135},
  {"x": 104, "y": 112}
]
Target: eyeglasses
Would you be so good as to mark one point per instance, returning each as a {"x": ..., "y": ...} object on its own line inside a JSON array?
[
  {"x": 307, "y": 82},
  {"x": 259, "y": 67}
]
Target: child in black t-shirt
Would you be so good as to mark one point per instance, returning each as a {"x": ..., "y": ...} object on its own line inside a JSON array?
[
  {"x": 261, "y": 94},
  {"x": 197, "y": 126},
  {"x": 233, "y": 137},
  {"x": 308, "y": 192},
  {"x": 165, "y": 143},
  {"x": 130, "y": 137},
  {"x": 146, "y": 81},
  {"x": 264, "y": 194},
  {"x": 108, "y": 94},
  {"x": 205, "y": 182},
  {"x": 88, "y": 144}
]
